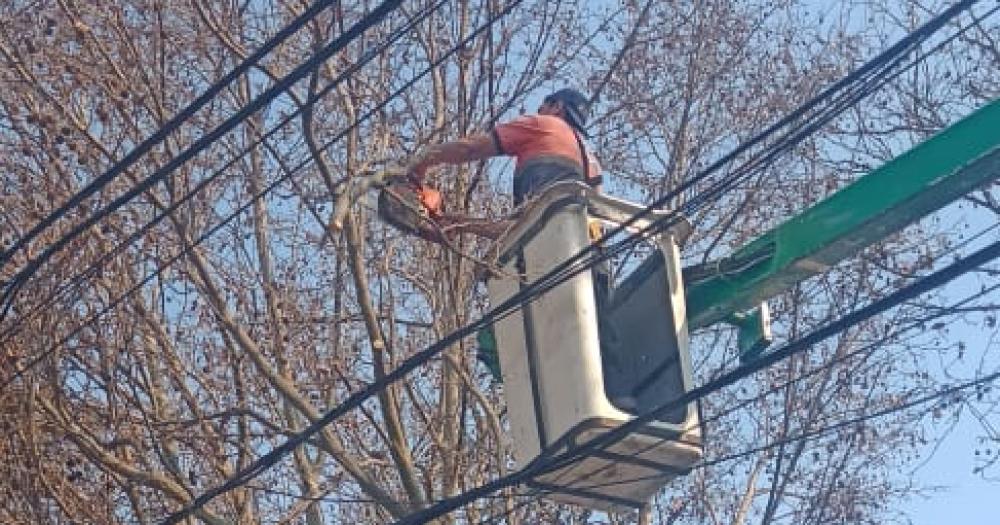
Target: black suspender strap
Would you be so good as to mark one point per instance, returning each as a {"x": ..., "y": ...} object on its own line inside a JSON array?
[{"x": 586, "y": 160}]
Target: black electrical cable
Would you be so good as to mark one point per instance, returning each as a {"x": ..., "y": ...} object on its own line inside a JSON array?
[
  {"x": 169, "y": 127},
  {"x": 507, "y": 307},
  {"x": 946, "y": 391},
  {"x": 590, "y": 256},
  {"x": 905, "y": 45},
  {"x": 932, "y": 27},
  {"x": 114, "y": 303},
  {"x": 673, "y": 193},
  {"x": 801, "y": 436},
  {"x": 790, "y": 139},
  {"x": 916, "y": 323},
  {"x": 355, "y": 399},
  {"x": 94, "y": 267},
  {"x": 817, "y": 432},
  {"x": 945, "y": 311},
  {"x": 272, "y": 457},
  {"x": 549, "y": 463},
  {"x": 273, "y": 92}
]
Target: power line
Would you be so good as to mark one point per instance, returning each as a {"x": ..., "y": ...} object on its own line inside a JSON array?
[
  {"x": 928, "y": 27},
  {"x": 549, "y": 463},
  {"x": 801, "y": 436},
  {"x": 507, "y": 307},
  {"x": 792, "y": 137},
  {"x": 944, "y": 392},
  {"x": 415, "y": 356},
  {"x": 887, "y": 60},
  {"x": 824, "y": 367},
  {"x": 38, "y": 359},
  {"x": 354, "y": 400},
  {"x": 95, "y": 266},
  {"x": 941, "y": 311},
  {"x": 169, "y": 127},
  {"x": 916, "y": 323},
  {"x": 945, "y": 311},
  {"x": 851, "y": 98},
  {"x": 273, "y": 92}
]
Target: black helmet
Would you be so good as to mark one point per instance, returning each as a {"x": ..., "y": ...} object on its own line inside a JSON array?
[{"x": 575, "y": 105}]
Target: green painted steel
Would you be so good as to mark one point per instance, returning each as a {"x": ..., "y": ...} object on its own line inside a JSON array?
[{"x": 928, "y": 177}]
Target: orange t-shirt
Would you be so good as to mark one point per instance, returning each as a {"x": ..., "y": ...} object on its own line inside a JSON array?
[{"x": 530, "y": 136}]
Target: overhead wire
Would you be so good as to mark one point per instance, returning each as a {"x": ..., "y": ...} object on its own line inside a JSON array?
[
  {"x": 987, "y": 14},
  {"x": 590, "y": 255},
  {"x": 94, "y": 267},
  {"x": 399, "y": 373},
  {"x": 951, "y": 12},
  {"x": 708, "y": 170},
  {"x": 800, "y": 436},
  {"x": 860, "y": 351},
  {"x": 917, "y": 323},
  {"x": 587, "y": 257},
  {"x": 532, "y": 290},
  {"x": 797, "y": 134},
  {"x": 273, "y": 456},
  {"x": 167, "y": 128},
  {"x": 171, "y": 260},
  {"x": 547, "y": 463},
  {"x": 204, "y": 141}
]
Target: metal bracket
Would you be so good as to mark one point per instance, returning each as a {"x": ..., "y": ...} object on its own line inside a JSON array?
[{"x": 754, "y": 331}]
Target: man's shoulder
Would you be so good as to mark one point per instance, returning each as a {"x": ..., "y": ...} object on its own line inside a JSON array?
[{"x": 536, "y": 121}]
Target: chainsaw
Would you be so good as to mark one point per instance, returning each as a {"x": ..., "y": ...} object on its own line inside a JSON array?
[
  {"x": 411, "y": 207},
  {"x": 404, "y": 202}
]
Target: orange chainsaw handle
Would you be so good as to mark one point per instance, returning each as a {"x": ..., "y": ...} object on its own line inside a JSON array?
[{"x": 430, "y": 199}]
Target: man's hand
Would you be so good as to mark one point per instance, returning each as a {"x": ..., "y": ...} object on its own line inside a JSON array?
[{"x": 420, "y": 163}]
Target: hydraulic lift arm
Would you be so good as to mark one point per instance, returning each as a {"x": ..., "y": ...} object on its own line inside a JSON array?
[{"x": 928, "y": 177}]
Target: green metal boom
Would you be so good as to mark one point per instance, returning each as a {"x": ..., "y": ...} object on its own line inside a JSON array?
[{"x": 925, "y": 178}]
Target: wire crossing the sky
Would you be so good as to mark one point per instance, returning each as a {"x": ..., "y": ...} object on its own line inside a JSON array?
[
  {"x": 548, "y": 463},
  {"x": 354, "y": 400},
  {"x": 273, "y": 92},
  {"x": 271, "y": 187},
  {"x": 944, "y": 392},
  {"x": 93, "y": 268},
  {"x": 891, "y": 58},
  {"x": 826, "y": 366},
  {"x": 554, "y": 280},
  {"x": 169, "y": 127}
]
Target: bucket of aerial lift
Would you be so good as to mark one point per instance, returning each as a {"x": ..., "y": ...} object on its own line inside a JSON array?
[{"x": 577, "y": 364}]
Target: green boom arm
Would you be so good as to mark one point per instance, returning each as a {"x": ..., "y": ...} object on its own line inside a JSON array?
[{"x": 925, "y": 178}]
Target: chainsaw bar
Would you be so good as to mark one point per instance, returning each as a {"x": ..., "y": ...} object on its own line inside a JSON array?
[{"x": 410, "y": 208}]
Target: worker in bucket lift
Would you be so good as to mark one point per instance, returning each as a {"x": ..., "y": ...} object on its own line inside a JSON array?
[{"x": 548, "y": 147}]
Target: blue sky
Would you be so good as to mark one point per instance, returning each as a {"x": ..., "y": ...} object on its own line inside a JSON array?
[
  {"x": 967, "y": 498},
  {"x": 964, "y": 497}
]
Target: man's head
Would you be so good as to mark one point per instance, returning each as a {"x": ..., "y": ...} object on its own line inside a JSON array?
[{"x": 569, "y": 104}]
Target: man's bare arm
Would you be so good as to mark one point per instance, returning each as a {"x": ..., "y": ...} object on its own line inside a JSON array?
[{"x": 472, "y": 148}]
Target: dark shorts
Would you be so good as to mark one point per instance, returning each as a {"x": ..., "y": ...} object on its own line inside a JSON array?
[{"x": 536, "y": 175}]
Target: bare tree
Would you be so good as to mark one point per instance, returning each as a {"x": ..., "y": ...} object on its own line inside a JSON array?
[{"x": 253, "y": 331}]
